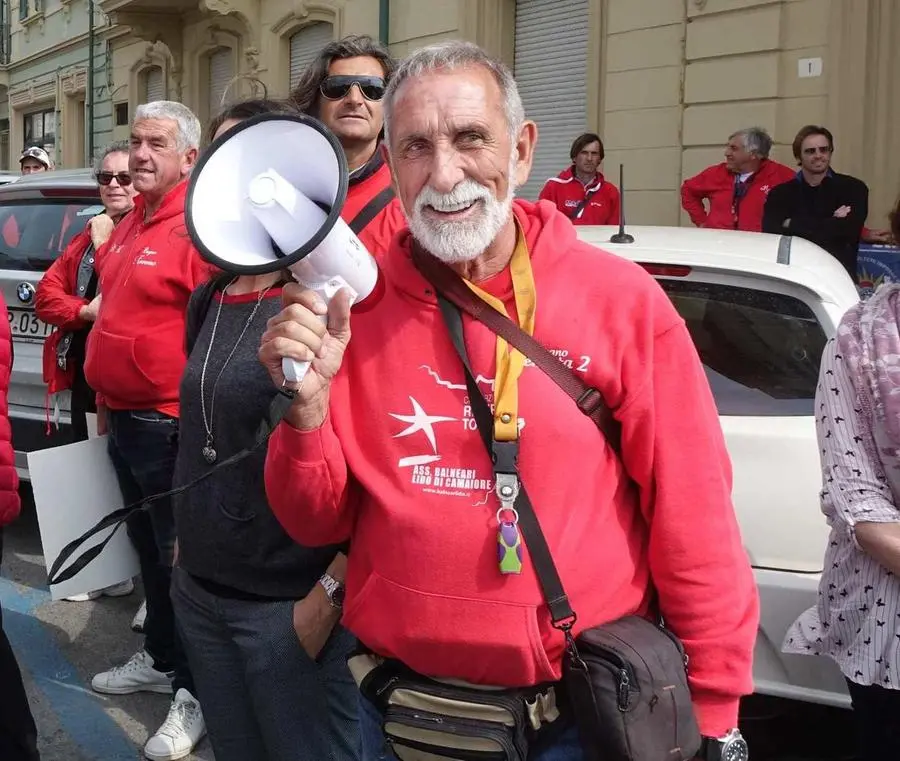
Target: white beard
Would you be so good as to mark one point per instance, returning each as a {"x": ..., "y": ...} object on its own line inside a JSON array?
[{"x": 464, "y": 240}]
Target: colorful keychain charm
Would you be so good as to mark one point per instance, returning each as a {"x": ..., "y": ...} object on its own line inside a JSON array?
[{"x": 509, "y": 541}]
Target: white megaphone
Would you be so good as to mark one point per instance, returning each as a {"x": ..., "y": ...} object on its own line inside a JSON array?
[{"x": 267, "y": 195}]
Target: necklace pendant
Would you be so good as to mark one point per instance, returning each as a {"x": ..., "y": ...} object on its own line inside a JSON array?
[{"x": 209, "y": 454}]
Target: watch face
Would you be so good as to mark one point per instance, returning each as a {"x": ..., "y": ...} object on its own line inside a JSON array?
[
  {"x": 736, "y": 750},
  {"x": 337, "y": 598}
]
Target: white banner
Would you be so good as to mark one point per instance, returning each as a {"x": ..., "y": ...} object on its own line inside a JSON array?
[{"x": 74, "y": 487}]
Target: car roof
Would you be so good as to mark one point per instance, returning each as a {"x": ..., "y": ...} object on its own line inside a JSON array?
[
  {"x": 76, "y": 179},
  {"x": 762, "y": 255}
]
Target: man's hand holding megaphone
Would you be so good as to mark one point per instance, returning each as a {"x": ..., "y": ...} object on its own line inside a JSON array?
[{"x": 300, "y": 332}]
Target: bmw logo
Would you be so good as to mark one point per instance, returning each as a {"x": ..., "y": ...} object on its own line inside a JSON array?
[{"x": 25, "y": 292}]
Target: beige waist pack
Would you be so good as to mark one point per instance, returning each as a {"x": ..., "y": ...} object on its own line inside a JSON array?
[{"x": 433, "y": 720}]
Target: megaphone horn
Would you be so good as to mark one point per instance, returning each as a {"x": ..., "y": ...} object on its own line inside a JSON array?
[{"x": 267, "y": 195}]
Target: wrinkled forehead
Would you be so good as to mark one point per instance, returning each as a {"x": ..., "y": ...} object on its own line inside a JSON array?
[
  {"x": 441, "y": 102},
  {"x": 155, "y": 129}
]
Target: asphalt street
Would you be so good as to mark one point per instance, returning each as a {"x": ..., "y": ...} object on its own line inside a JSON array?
[{"x": 61, "y": 645}]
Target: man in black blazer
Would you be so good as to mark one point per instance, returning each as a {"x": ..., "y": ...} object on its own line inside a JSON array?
[{"x": 820, "y": 205}]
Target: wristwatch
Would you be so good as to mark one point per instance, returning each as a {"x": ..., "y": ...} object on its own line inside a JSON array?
[
  {"x": 731, "y": 747},
  {"x": 334, "y": 589}
]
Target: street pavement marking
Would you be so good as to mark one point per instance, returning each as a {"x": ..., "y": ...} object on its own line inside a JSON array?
[{"x": 77, "y": 708}]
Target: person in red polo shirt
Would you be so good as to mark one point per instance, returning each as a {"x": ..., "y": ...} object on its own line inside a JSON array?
[
  {"x": 731, "y": 195},
  {"x": 581, "y": 192}
]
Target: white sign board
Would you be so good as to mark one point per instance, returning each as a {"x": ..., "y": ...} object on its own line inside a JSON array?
[
  {"x": 74, "y": 487},
  {"x": 809, "y": 67}
]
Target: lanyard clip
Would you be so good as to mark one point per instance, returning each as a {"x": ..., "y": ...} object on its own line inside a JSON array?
[{"x": 506, "y": 472}]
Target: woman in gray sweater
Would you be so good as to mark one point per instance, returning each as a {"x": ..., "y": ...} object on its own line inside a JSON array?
[{"x": 258, "y": 614}]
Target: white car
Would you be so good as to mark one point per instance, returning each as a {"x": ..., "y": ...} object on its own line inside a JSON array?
[{"x": 760, "y": 309}]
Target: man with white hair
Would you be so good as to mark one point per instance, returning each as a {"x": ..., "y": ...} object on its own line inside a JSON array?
[
  {"x": 731, "y": 195},
  {"x": 380, "y": 445},
  {"x": 135, "y": 358}
]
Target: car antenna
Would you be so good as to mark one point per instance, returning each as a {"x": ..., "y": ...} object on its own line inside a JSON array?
[{"x": 621, "y": 236}]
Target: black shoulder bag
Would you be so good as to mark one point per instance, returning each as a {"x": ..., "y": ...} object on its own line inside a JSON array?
[{"x": 627, "y": 679}]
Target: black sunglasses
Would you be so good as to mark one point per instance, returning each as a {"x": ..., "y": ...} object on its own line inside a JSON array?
[
  {"x": 337, "y": 87},
  {"x": 123, "y": 178}
]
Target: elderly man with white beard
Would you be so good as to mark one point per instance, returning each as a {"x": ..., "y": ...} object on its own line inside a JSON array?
[{"x": 380, "y": 445}]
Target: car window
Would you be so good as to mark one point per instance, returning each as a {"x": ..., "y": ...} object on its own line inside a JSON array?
[
  {"x": 34, "y": 233},
  {"x": 761, "y": 351}
]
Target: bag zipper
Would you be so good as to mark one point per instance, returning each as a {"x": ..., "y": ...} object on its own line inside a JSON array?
[
  {"x": 454, "y": 726},
  {"x": 624, "y": 673}
]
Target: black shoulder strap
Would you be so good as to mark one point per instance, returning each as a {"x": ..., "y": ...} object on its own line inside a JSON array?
[
  {"x": 371, "y": 210},
  {"x": 278, "y": 408},
  {"x": 561, "y": 611},
  {"x": 197, "y": 308}
]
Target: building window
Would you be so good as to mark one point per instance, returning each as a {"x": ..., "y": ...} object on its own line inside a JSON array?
[
  {"x": 23, "y": 9},
  {"x": 121, "y": 114},
  {"x": 153, "y": 85},
  {"x": 219, "y": 76},
  {"x": 305, "y": 45},
  {"x": 40, "y": 129}
]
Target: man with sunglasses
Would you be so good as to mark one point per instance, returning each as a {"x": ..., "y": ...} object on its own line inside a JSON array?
[
  {"x": 820, "y": 205},
  {"x": 343, "y": 87}
]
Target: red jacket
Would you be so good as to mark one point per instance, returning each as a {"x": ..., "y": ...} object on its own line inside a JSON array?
[
  {"x": 135, "y": 351},
  {"x": 9, "y": 479},
  {"x": 400, "y": 469},
  {"x": 567, "y": 192},
  {"x": 56, "y": 305},
  {"x": 375, "y": 177},
  {"x": 716, "y": 186}
]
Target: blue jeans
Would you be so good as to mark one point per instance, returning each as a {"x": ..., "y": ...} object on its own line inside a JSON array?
[
  {"x": 263, "y": 697},
  {"x": 566, "y": 747},
  {"x": 142, "y": 447}
]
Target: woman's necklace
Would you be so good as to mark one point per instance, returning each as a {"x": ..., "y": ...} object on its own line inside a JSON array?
[{"x": 209, "y": 450}]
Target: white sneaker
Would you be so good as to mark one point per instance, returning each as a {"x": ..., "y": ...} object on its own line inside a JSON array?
[
  {"x": 137, "y": 675},
  {"x": 119, "y": 590},
  {"x": 180, "y": 732},
  {"x": 116, "y": 590},
  {"x": 86, "y": 597},
  {"x": 137, "y": 623}
]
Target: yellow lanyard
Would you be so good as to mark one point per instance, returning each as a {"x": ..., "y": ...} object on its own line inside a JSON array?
[{"x": 510, "y": 360}]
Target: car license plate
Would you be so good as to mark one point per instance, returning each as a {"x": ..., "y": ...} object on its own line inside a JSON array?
[{"x": 25, "y": 326}]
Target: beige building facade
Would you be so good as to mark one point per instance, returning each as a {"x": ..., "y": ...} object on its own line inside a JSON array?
[{"x": 663, "y": 81}]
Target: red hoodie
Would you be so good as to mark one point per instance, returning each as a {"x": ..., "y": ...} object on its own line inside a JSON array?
[
  {"x": 375, "y": 236},
  {"x": 9, "y": 478},
  {"x": 135, "y": 351},
  {"x": 399, "y": 468},
  {"x": 567, "y": 192},
  {"x": 716, "y": 186}
]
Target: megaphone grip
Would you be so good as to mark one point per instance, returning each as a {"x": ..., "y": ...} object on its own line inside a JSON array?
[{"x": 294, "y": 371}]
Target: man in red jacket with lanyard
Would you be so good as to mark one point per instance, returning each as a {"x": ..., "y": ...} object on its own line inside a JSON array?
[
  {"x": 343, "y": 87},
  {"x": 380, "y": 446},
  {"x": 735, "y": 191},
  {"x": 135, "y": 358},
  {"x": 581, "y": 192}
]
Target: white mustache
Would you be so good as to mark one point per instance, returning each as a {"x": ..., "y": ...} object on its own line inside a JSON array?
[{"x": 464, "y": 194}]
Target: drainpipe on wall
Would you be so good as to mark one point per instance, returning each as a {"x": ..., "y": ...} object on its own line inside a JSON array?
[
  {"x": 384, "y": 22},
  {"x": 90, "y": 84}
]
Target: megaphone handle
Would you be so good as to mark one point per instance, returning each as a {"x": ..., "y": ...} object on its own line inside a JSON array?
[{"x": 293, "y": 370}]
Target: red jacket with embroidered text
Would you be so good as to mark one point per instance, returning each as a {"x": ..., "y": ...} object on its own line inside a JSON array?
[
  {"x": 567, "y": 192},
  {"x": 148, "y": 270},
  {"x": 399, "y": 468},
  {"x": 716, "y": 186}
]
